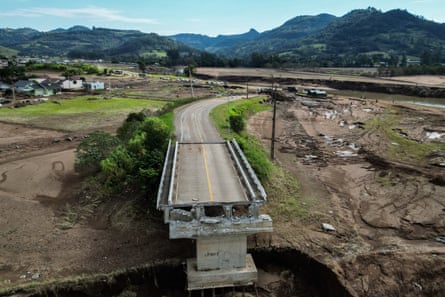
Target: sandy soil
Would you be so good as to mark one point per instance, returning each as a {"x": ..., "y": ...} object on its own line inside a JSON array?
[
  {"x": 36, "y": 192},
  {"x": 398, "y": 218},
  {"x": 422, "y": 79}
]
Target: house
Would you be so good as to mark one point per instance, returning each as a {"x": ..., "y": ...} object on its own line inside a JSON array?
[
  {"x": 33, "y": 88},
  {"x": 51, "y": 86},
  {"x": 25, "y": 87},
  {"x": 95, "y": 85},
  {"x": 72, "y": 84}
]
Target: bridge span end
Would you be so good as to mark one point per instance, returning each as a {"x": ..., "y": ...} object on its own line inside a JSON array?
[{"x": 210, "y": 193}]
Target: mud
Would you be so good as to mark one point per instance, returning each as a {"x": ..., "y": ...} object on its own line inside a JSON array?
[
  {"x": 387, "y": 213},
  {"x": 281, "y": 272}
]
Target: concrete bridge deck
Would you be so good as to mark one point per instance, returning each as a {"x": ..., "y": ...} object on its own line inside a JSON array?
[
  {"x": 206, "y": 173},
  {"x": 210, "y": 193}
]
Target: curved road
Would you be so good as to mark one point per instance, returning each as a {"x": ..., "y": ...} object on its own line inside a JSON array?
[{"x": 204, "y": 172}]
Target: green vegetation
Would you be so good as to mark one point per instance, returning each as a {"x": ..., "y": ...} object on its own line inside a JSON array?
[
  {"x": 92, "y": 150},
  {"x": 283, "y": 190},
  {"x": 7, "y": 52},
  {"x": 136, "y": 164},
  {"x": 67, "y": 70},
  {"x": 78, "y": 113},
  {"x": 128, "y": 165},
  {"x": 12, "y": 72},
  {"x": 125, "y": 167},
  {"x": 401, "y": 147}
]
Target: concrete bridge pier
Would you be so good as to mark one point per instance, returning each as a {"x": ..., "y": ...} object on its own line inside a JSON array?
[{"x": 221, "y": 261}]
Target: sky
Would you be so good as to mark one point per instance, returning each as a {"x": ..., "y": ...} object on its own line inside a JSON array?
[{"x": 208, "y": 17}]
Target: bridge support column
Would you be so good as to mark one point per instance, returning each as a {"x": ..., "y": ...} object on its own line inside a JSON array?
[{"x": 222, "y": 261}]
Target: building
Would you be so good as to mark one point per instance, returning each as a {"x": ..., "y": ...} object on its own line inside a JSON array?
[
  {"x": 25, "y": 87},
  {"x": 94, "y": 86},
  {"x": 46, "y": 87},
  {"x": 72, "y": 84},
  {"x": 51, "y": 86}
]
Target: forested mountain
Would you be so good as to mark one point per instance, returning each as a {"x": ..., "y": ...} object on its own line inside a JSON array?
[
  {"x": 217, "y": 44},
  {"x": 364, "y": 37},
  {"x": 360, "y": 38},
  {"x": 364, "y": 31},
  {"x": 284, "y": 37},
  {"x": 82, "y": 42},
  {"x": 11, "y": 37}
]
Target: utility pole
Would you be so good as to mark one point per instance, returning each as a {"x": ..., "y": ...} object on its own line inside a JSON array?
[
  {"x": 272, "y": 145},
  {"x": 13, "y": 94},
  {"x": 191, "y": 82}
]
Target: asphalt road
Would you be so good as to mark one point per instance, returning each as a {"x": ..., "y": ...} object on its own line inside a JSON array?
[{"x": 205, "y": 172}]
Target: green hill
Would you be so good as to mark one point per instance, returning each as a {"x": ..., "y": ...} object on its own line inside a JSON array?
[
  {"x": 218, "y": 44},
  {"x": 82, "y": 42},
  {"x": 364, "y": 37},
  {"x": 361, "y": 37}
]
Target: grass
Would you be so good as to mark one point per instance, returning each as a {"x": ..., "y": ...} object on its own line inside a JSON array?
[
  {"x": 78, "y": 113},
  {"x": 401, "y": 148},
  {"x": 168, "y": 119},
  {"x": 284, "y": 201}
]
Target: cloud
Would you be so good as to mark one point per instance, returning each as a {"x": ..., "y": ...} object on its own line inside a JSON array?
[{"x": 90, "y": 13}]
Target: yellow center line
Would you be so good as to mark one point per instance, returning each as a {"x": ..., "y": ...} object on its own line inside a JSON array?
[
  {"x": 206, "y": 166},
  {"x": 209, "y": 183}
]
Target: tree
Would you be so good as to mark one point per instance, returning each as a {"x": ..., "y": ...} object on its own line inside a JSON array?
[
  {"x": 12, "y": 72},
  {"x": 142, "y": 65},
  {"x": 128, "y": 128},
  {"x": 237, "y": 123},
  {"x": 92, "y": 150},
  {"x": 137, "y": 164},
  {"x": 190, "y": 70},
  {"x": 71, "y": 72},
  {"x": 173, "y": 56}
]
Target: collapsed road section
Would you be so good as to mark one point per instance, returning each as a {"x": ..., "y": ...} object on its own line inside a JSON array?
[{"x": 210, "y": 193}]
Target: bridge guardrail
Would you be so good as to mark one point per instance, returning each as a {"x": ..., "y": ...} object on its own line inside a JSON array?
[
  {"x": 173, "y": 173},
  {"x": 252, "y": 175},
  {"x": 241, "y": 171}
]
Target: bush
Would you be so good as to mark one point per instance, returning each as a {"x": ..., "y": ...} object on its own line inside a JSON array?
[
  {"x": 137, "y": 164},
  {"x": 92, "y": 150},
  {"x": 237, "y": 123},
  {"x": 128, "y": 128}
]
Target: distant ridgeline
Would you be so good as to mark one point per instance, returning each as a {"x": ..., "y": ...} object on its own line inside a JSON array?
[{"x": 366, "y": 37}]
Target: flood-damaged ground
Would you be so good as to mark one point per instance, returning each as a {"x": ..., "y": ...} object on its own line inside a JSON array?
[
  {"x": 371, "y": 170},
  {"x": 362, "y": 170}
]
